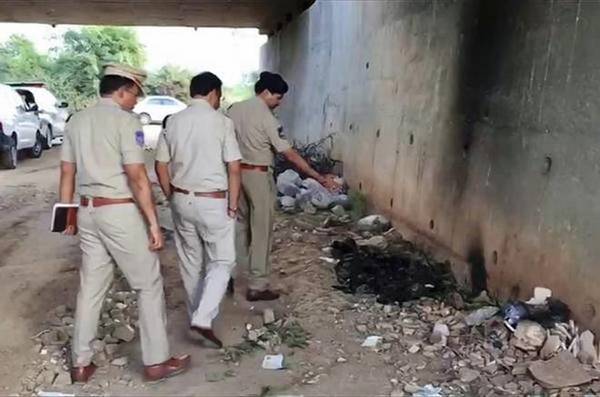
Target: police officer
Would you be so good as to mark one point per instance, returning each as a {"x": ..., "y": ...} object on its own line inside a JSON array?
[
  {"x": 259, "y": 137},
  {"x": 117, "y": 221},
  {"x": 198, "y": 167}
]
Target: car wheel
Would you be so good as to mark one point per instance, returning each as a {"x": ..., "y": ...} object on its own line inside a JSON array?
[
  {"x": 37, "y": 149},
  {"x": 9, "y": 157},
  {"x": 145, "y": 118},
  {"x": 48, "y": 137}
]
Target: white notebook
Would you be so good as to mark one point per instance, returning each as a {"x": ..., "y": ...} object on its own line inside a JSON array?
[{"x": 63, "y": 215}]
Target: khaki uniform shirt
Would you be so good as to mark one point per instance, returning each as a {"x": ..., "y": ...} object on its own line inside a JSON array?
[
  {"x": 258, "y": 131},
  {"x": 198, "y": 142},
  {"x": 100, "y": 140}
]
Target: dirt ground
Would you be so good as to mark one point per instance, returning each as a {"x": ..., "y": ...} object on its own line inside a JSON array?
[{"x": 38, "y": 271}]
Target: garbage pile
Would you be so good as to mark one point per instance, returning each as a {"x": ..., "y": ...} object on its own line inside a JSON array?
[
  {"x": 309, "y": 195},
  {"x": 484, "y": 347},
  {"x": 118, "y": 322}
]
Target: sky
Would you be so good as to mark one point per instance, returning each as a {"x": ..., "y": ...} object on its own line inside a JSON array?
[{"x": 229, "y": 53}]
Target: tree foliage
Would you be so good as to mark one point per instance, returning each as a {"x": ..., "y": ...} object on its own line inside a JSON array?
[
  {"x": 72, "y": 69},
  {"x": 19, "y": 60},
  {"x": 170, "y": 80}
]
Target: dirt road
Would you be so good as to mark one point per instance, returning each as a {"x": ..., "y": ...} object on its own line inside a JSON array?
[{"x": 38, "y": 271}]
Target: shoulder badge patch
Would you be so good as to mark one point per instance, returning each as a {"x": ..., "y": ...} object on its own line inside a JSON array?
[{"x": 139, "y": 138}]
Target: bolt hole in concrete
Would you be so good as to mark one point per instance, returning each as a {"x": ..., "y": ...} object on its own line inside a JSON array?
[
  {"x": 547, "y": 165},
  {"x": 351, "y": 126},
  {"x": 411, "y": 139},
  {"x": 391, "y": 202},
  {"x": 367, "y": 65},
  {"x": 495, "y": 257},
  {"x": 431, "y": 224},
  {"x": 359, "y": 185},
  {"x": 378, "y": 133}
]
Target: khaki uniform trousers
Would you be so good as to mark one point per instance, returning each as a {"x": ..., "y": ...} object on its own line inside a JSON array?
[
  {"x": 205, "y": 242},
  {"x": 254, "y": 232},
  {"x": 109, "y": 234}
]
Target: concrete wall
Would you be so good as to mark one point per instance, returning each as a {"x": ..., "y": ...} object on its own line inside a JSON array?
[{"x": 475, "y": 123}]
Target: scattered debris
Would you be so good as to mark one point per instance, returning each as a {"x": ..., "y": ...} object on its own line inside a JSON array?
[
  {"x": 480, "y": 315},
  {"x": 338, "y": 210},
  {"x": 428, "y": 391},
  {"x": 373, "y": 223},
  {"x": 560, "y": 372},
  {"x": 375, "y": 242},
  {"x": 551, "y": 347},
  {"x": 540, "y": 296},
  {"x": 273, "y": 362},
  {"x": 551, "y": 312},
  {"x": 468, "y": 375},
  {"x": 587, "y": 350},
  {"x": 268, "y": 316},
  {"x": 117, "y": 323},
  {"x": 372, "y": 341},
  {"x": 309, "y": 195},
  {"x": 440, "y": 334},
  {"x": 54, "y": 394},
  {"x": 529, "y": 336},
  {"x": 120, "y": 362},
  {"x": 124, "y": 332},
  {"x": 287, "y": 203},
  {"x": 269, "y": 337}
]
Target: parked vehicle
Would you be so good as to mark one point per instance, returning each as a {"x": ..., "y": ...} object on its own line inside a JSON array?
[
  {"x": 20, "y": 128},
  {"x": 154, "y": 108},
  {"x": 53, "y": 113}
]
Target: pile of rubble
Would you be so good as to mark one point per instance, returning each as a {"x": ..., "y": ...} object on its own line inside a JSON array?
[
  {"x": 310, "y": 196},
  {"x": 417, "y": 318},
  {"x": 118, "y": 321}
]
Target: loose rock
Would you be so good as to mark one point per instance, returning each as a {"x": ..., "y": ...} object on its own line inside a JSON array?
[
  {"x": 478, "y": 316},
  {"x": 440, "y": 334},
  {"x": 375, "y": 241},
  {"x": 550, "y": 347},
  {"x": 529, "y": 336},
  {"x": 124, "y": 332},
  {"x": 587, "y": 350},
  {"x": 268, "y": 316},
  {"x": 560, "y": 372},
  {"x": 373, "y": 223},
  {"x": 338, "y": 210},
  {"x": 120, "y": 362},
  {"x": 468, "y": 375}
]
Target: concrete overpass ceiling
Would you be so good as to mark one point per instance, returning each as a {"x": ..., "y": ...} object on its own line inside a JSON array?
[{"x": 266, "y": 15}]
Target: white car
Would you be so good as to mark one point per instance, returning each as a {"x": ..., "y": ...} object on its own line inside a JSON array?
[
  {"x": 53, "y": 113},
  {"x": 19, "y": 128},
  {"x": 154, "y": 108}
]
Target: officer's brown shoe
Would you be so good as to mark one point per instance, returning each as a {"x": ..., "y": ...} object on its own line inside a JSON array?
[
  {"x": 230, "y": 287},
  {"x": 208, "y": 334},
  {"x": 82, "y": 374},
  {"x": 171, "y": 367},
  {"x": 267, "y": 295}
]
